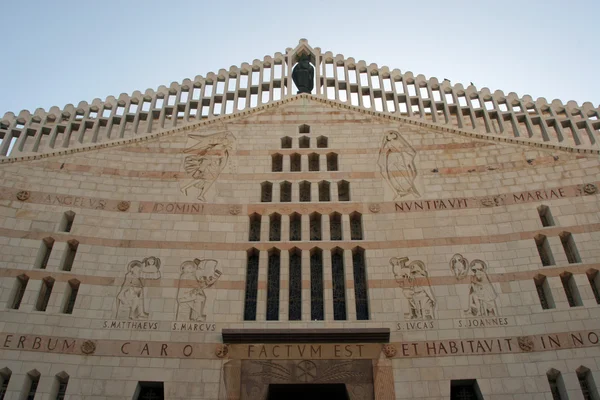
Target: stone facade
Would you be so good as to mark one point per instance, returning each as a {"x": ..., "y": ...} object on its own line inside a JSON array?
[{"x": 122, "y": 262}]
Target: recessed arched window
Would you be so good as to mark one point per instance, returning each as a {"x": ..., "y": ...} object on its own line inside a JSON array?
[
  {"x": 571, "y": 291},
  {"x": 276, "y": 162},
  {"x": 304, "y": 187},
  {"x": 557, "y": 386},
  {"x": 295, "y": 289},
  {"x": 313, "y": 162},
  {"x": 5, "y": 374},
  {"x": 251, "y": 285},
  {"x": 322, "y": 142},
  {"x": 69, "y": 255},
  {"x": 286, "y": 142},
  {"x": 304, "y": 142},
  {"x": 324, "y": 191},
  {"x": 44, "y": 296},
  {"x": 566, "y": 238},
  {"x": 285, "y": 192},
  {"x": 304, "y": 129},
  {"x": 275, "y": 227},
  {"x": 295, "y": 162},
  {"x": 44, "y": 253},
  {"x": 356, "y": 230},
  {"x": 543, "y": 291},
  {"x": 266, "y": 192},
  {"x": 332, "y": 162},
  {"x": 545, "y": 215},
  {"x": 338, "y": 283},
  {"x": 71, "y": 296},
  {"x": 19, "y": 291},
  {"x": 588, "y": 386},
  {"x": 255, "y": 221},
  {"x": 361, "y": 295},
  {"x": 273, "y": 282},
  {"x": 295, "y": 226},
  {"x": 317, "y": 311},
  {"x": 335, "y": 226},
  {"x": 594, "y": 279},
  {"x": 315, "y": 226},
  {"x": 60, "y": 387},
  {"x": 343, "y": 191},
  {"x": 544, "y": 251},
  {"x": 66, "y": 222}
]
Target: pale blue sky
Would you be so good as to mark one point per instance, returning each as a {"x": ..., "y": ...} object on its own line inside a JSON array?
[{"x": 59, "y": 52}]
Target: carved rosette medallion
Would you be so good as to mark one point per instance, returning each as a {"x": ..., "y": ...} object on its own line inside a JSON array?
[
  {"x": 222, "y": 350},
  {"x": 389, "y": 350},
  {"x": 374, "y": 207},
  {"x": 526, "y": 343},
  {"x": 235, "y": 209},
  {"x": 492, "y": 201},
  {"x": 123, "y": 205},
  {"x": 88, "y": 347},
  {"x": 590, "y": 188},
  {"x": 23, "y": 195}
]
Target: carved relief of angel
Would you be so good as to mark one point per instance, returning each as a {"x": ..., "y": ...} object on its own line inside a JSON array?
[
  {"x": 207, "y": 160},
  {"x": 482, "y": 295},
  {"x": 396, "y": 164},
  {"x": 416, "y": 287}
]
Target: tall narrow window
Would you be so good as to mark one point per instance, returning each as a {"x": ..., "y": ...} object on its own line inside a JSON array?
[
  {"x": 322, "y": 142},
  {"x": 45, "y": 291},
  {"x": 304, "y": 129},
  {"x": 19, "y": 291},
  {"x": 71, "y": 296},
  {"x": 313, "y": 162},
  {"x": 544, "y": 251},
  {"x": 332, "y": 162},
  {"x": 335, "y": 226},
  {"x": 286, "y": 142},
  {"x": 295, "y": 226},
  {"x": 545, "y": 216},
  {"x": 276, "y": 162},
  {"x": 304, "y": 142},
  {"x": 266, "y": 192},
  {"x": 69, "y": 256},
  {"x": 295, "y": 162},
  {"x": 295, "y": 289},
  {"x": 33, "y": 378},
  {"x": 343, "y": 191},
  {"x": 465, "y": 389},
  {"x": 44, "y": 253},
  {"x": 275, "y": 227},
  {"x": 62, "y": 380},
  {"x": 571, "y": 290},
  {"x": 339, "y": 284},
  {"x": 356, "y": 230},
  {"x": 566, "y": 238},
  {"x": 150, "y": 391},
  {"x": 255, "y": 221},
  {"x": 360, "y": 283},
  {"x": 315, "y": 226},
  {"x": 557, "y": 386},
  {"x": 543, "y": 291},
  {"x": 5, "y": 374},
  {"x": 587, "y": 384},
  {"x": 594, "y": 279},
  {"x": 251, "y": 285},
  {"x": 285, "y": 192},
  {"x": 324, "y": 191},
  {"x": 317, "y": 311},
  {"x": 273, "y": 274},
  {"x": 66, "y": 222},
  {"x": 304, "y": 187}
]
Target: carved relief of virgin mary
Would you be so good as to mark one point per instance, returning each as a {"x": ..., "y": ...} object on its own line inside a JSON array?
[{"x": 396, "y": 164}]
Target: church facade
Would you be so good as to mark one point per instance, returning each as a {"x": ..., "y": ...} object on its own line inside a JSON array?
[{"x": 385, "y": 236}]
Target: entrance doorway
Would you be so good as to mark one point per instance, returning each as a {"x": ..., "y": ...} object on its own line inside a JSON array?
[{"x": 310, "y": 391}]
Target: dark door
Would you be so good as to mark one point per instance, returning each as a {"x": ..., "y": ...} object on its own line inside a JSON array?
[{"x": 308, "y": 392}]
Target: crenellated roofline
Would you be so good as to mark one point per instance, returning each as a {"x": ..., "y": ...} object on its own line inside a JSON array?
[
  {"x": 345, "y": 81},
  {"x": 224, "y": 119}
]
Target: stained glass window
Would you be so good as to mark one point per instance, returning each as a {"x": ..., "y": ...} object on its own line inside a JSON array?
[
  {"x": 285, "y": 192},
  {"x": 544, "y": 250},
  {"x": 45, "y": 292},
  {"x": 275, "y": 227},
  {"x": 295, "y": 226},
  {"x": 317, "y": 311},
  {"x": 304, "y": 142},
  {"x": 343, "y": 191},
  {"x": 295, "y": 303},
  {"x": 540, "y": 281},
  {"x": 70, "y": 254},
  {"x": 73, "y": 290},
  {"x": 360, "y": 284},
  {"x": 273, "y": 274},
  {"x": 286, "y": 142},
  {"x": 570, "y": 248},
  {"x": 315, "y": 226},
  {"x": 255, "y": 221},
  {"x": 356, "y": 231},
  {"x": 332, "y": 162},
  {"x": 20, "y": 291},
  {"x": 277, "y": 162},
  {"x": 339, "y": 286},
  {"x": 324, "y": 192},
  {"x": 570, "y": 289},
  {"x": 304, "y": 191},
  {"x": 335, "y": 226},
  {"x": 322, "y": 142},
  {"x": 313, "y": 162},
  {"x": 251, "y": 285},
  {"x": 266, "y": 192},
  {"x": 295, "y": 163}
]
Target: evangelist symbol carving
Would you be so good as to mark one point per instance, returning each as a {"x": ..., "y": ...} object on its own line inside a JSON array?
[
  {"x": 413, "y": 278},
  {"x": 206, "y": 160},
  {"x": 196, "y": 275},
  {"x": 482, "y": 297},
  {"x": 131, "y": 294},
  {"x": 397, "y": 166}
]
